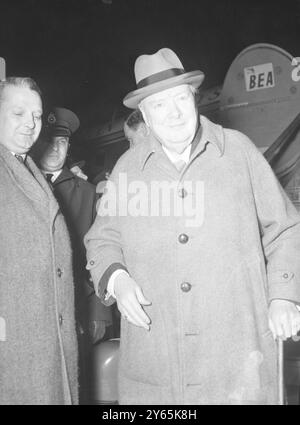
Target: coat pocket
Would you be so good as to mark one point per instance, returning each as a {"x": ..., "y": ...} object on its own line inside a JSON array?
[{"x": 144, "y": 355}]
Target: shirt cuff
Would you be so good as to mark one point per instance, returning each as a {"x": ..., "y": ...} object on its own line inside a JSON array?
[
  {"x": 111, "y": 283},
  {"x": 102, "y": 285}
]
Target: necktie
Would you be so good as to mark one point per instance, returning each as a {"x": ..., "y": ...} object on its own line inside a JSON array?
[
  {"x": 49, "y": 177},
  {"x": 23, "y": 161},
  {"x": 180, "y": 164},
  {"x": 20, "y": 158}
]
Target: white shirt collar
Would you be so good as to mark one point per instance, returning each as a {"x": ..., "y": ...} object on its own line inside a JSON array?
[
  {"x": 23, "y": 155},
  {"x": 55, "y": 174},
  {"x": 174, "y": 156}
]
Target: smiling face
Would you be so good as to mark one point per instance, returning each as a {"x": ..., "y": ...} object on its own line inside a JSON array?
[
  {"x": 172, "y": 116},
  {"x": 55, "y": 154},
  {"x": 20, "y": 118}
]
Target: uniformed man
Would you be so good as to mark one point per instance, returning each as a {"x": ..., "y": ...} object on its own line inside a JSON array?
[
  {"x": 135, "y": 128},
  {"x": 77, "y": 199}
]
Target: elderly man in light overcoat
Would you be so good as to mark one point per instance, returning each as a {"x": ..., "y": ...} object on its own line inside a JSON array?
[
  {"x": 38, "y": 345},
  {"x": 199, "y": 245}
]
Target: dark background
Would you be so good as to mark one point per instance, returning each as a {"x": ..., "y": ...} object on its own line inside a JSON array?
[{"x": 82, "y": 52}]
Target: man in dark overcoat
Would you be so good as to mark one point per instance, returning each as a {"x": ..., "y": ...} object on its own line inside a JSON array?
[{"x": 77, "y": 199}]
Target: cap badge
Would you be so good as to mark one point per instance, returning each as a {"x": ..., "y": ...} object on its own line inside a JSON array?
[{"x": 51, "y": 118}]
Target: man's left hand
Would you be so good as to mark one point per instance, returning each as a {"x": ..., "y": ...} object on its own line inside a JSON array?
[
  {"x": 284, "y": 319},
  {"x": 78, "y": 172}
]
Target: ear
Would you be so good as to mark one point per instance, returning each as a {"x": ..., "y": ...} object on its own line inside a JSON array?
[
  {"x": 144, "y": 130},
  {"x": 141, "y": 108}
]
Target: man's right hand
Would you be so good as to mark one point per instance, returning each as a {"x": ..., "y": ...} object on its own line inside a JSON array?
[{"x": 130, "y": 300}]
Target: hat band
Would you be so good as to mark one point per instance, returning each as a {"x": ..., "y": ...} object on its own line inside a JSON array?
[
  {"x": 160, "y": 76},
  {"x": 59, "y": 131}
]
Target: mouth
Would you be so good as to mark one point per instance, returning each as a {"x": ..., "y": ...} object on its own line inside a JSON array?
[
  {"x": 177, "y": 125},
  {"x": 52, "y": 156}
]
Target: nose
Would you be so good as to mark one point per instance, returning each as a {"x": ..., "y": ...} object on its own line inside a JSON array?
[
  {"x": 55, "y": 147},
  {"x": 174, "y": 110},
  {"x": 30, "y": 121}
]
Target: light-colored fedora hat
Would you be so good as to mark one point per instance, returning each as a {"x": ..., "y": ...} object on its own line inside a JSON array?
[{"x": 157, "y": 72}]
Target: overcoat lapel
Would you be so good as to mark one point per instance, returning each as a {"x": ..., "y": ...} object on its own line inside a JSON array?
[{"x": 30, "y": 180}]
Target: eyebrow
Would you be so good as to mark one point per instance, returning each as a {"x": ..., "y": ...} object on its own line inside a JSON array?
[
  {"x": 183, "y": 92},
  {"x": 59, "y": 138},
  {"x": 22, "y": 108},
  {"x": 161, "y": 99}
]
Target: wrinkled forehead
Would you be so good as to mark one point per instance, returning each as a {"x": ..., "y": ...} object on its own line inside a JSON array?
[
  {"x": 19, "y": 96},
  {"x": 164, "y": 94}
]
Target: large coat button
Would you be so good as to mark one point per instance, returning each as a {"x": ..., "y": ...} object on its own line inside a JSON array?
[
  {"x": 182, "y": 193},
  {"x": 60, "y": 319},
  {"x": 183, "y": 238},
  {"x": 59, "y": 272},
  {"x": 186, "y": 286}
]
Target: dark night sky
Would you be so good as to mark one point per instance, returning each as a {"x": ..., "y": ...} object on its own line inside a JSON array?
[{"x": 82, "y": 52}]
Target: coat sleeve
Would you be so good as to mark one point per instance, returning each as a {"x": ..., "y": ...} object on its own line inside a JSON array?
[
  {"x": 280, "y": 229},
  {"x": 103, "y": 241},
  {"x": 96, "y": 199}
]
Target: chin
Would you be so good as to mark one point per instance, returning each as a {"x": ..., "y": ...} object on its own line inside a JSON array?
[
  {"x": 26, "y": 140},
  {"x": 180, "y": 140},
  {"x": 25, "y": 149},
  {"x": 47, "y": 167}
]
